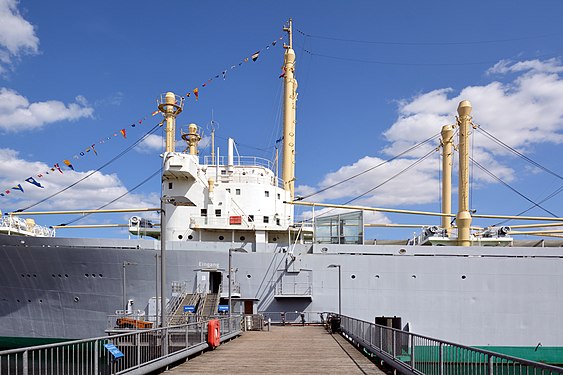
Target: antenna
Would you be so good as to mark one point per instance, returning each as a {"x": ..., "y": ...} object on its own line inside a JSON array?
[
  {"x": 211, "y": 126},
  {"x": 289, "y": 30}
]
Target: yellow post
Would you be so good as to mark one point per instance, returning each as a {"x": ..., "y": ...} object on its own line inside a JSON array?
[
  {"x": 447, "y": 146},
  {"x": 290, "y": 99},
  {"x": 463, "y": 218}
]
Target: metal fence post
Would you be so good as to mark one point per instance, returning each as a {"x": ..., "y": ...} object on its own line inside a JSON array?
[
  {"x": 24, "y": 364},
  {"x": 138, "y": 341},
  {"x": 380, "y": 338},
  {"x": 441, "y": 358},
  {"x": 411, "y": 341},
  {"x": 96, "y": 356},
  {"x": 187, "y": 335}
]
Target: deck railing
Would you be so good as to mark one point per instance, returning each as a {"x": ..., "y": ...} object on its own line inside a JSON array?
[
  {"x": 143, "y": 351},
  {"x": 416, "y": 354}
]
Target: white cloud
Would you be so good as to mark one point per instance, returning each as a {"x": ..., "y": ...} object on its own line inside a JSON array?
[
  {"x": 155, "y": 143},
  {"x": 17, "y": 35},
  {"x": 152, "y": 143},
  {"x": 17, "y": 113},
  {"x": 524, "y": 111},
  {"x": 93, "y": 192},
  {"x": 547, "y": 66}
]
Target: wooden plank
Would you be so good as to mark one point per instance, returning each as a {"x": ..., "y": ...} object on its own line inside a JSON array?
[{"x": 282, "y": 350}]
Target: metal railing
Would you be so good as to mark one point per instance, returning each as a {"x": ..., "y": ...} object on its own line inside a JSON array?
[
  {"x": 294, "y": 317},
  {"x": 18, "y": 226},
  {"x": 416, "y": 354},
  {"x": 143, "y": 351}
]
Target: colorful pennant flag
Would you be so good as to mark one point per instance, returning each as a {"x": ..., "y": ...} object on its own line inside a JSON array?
[
  {"x": 17, "y": 187},
  {"x": 154, "y": 114},
  {"x": 255, "y": 56},
  {"x": 123, "y": 133},
  {"x": 33, "y": 181},
  {"x": 68, "y": 164},
  {"x": 196, "y": 93}
]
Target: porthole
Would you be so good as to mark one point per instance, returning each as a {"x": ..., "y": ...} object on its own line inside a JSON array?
[
  {"x": 242, "y": 238},
  {"x": 353, "y": 276},
  {"x": 93, "y": 275},
  {"x": 413, "y": 276},
  {"x": 463, "y": 277},
  {"x": 34, "y": 275},
  {"x": 60, "y": 275},
  {"x": 53, "y": 275},
  {"x": 249, "y": 276},
  {"x": 28, "y": 275},
  {"x": 402, "y": 251},
  {"x": 76, "y": 299},
  {"x": 22, "y": 275},
  {"x": 377, "y": 276},
  {"x": 66, "y": 275},
  {"x": 274, "y": 239},
  {"x": 85, "y": 275},
  {"x": 18, "y": 300},
  {"x": 180, "y": 236},
  {"x": 221, "y": 238},
  {"x": 190, "y": 237},
  {"x": 101, "y": 275},
  {"x": 29, "y": 300},
  {"x": 40, "y": 301}
]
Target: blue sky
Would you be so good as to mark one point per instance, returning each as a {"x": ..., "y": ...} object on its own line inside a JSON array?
[{"x": 374, "y": 79}]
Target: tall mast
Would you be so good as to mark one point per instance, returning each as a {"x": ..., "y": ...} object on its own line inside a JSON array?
[
  {"x": 289, "y": 104},
  {"x": 463, "y": 218},
  {"x": 447, "y": 146},
  {"x": 170, "y": 106}
]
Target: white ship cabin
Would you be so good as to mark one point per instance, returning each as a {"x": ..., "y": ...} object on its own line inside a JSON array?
[{"x": 235, "y": 199}]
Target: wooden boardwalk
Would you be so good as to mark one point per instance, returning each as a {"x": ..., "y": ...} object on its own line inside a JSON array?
[{"x": 282, "y": 350}]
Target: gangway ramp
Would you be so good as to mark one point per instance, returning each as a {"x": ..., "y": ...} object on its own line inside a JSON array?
[{"x": 282, "y": 350}]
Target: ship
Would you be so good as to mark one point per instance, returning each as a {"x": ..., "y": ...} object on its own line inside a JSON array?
[{"x": 228, "y": 242}]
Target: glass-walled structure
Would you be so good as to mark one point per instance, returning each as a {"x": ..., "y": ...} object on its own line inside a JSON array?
[{"x": 346, "y": 228}]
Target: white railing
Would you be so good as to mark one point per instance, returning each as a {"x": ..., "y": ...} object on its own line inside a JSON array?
[
  {"x": 18, "y": 226},
  {"x": 248, "y": 161}
]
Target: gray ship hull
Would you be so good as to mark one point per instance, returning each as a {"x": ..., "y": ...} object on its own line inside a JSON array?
[{"x": 511, "y": 297}]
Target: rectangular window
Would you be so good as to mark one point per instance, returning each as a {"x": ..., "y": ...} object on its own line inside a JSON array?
[
  {"x": 266, "y": 194},
  {"x": 228, "y": 190},
  {"x": 204, "y": 212},
  {"x": 250, "y": 218},
  {"x": 170, "y": 185},
  {"x": 223, "y": 172},
  {"x": 279, "y": 196},
  {"x": 237, "y": 191},
  {"x": 277, "y": 221},
  {"x": 218, "y": 213},
  {"x": 266, "y": 219}
]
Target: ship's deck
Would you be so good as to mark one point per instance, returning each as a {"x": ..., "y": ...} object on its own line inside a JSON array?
[{"x": 282, "y": 350}]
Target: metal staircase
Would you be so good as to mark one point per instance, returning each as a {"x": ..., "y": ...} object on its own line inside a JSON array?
[{"x": 210, "y": 305}]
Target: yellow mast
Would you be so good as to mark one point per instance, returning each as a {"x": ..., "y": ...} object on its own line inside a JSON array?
[
  {"x": 447, "y": 146},
  {"x": 289, "y": 104},
  {"x": 463, "y": 218},
  {"x": 170, "y": 108}
]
